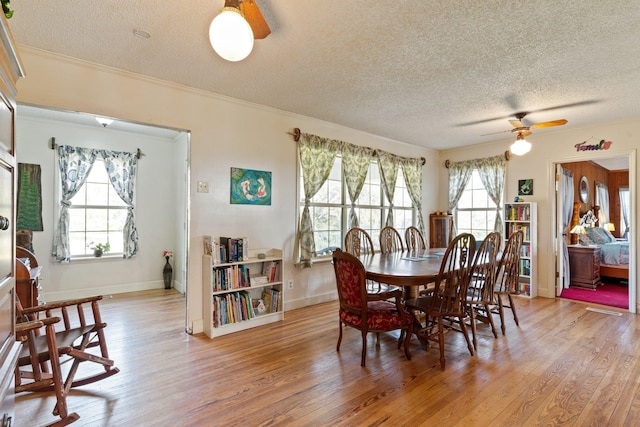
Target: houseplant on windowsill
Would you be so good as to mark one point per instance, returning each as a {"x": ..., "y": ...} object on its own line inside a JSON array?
[{"x": 100, "y": 248}]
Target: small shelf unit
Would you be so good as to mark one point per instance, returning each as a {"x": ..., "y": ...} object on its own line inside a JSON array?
[
  {"x": 523, "y": 216},
  {"x": 244, "y": 294}
]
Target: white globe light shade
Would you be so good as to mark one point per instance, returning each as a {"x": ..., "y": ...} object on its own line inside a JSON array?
[
  {"x": 231, "y": 35},
  {"x": 520, "y": 147}
]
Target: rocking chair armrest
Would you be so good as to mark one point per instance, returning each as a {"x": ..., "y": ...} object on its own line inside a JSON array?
[
  {"x": 60, "y": 304},
  {"x": 31, "y": 325}
]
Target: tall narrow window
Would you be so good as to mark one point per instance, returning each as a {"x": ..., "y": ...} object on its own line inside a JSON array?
[
  {"x": 96, "y": 215},
  {"x": 475, "y": 212}
]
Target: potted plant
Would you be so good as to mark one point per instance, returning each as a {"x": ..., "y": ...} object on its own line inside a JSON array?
[{"x": 101, "y": 248}]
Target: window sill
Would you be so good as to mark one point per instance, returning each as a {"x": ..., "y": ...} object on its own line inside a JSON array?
[{"x": 91, "y": 258}]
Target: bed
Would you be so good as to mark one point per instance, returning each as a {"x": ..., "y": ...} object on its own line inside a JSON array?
[{"x": 614, "y": 254}]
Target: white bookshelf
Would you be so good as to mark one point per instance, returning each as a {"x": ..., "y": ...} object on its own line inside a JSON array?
[
  {"x": 225, "y": 284},
  {"x": 523, "y": 216}
]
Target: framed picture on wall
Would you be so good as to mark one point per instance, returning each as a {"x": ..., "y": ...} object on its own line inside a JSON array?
[
  {"x": 250, "y": 187},
  {"x": 525, "y": 187}
]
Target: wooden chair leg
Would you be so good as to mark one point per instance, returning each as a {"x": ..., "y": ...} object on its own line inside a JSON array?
[
  {"x": 463, "y": 327},
  {"x": 501, "y": 312},
  {"x": 364, "y": 348},
  {"x": 487, "y": 310},
  {"x": 513, "y": 310},
  {"x": 339, "y": 337},
  {"x": 441, "y": 342},
  {"x": 409, "y": 332},
  {"x": 472, "y": 316}
]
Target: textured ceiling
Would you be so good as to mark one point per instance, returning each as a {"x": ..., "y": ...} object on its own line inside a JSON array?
[{"x": 432, "y": 73}]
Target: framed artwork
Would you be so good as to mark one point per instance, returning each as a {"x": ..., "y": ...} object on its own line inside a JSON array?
[
  {"x": 525, "y": 187},
  {"x": 250, "y": 187}
]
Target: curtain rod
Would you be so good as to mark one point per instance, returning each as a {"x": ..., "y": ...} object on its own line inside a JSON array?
[
  {"x": 53, "y": 146},
  {"x": 295, "y": 134},
  {"x": 507, "y": 156}
]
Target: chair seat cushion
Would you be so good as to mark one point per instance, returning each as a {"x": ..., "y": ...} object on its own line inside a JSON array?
[{"x": 382, "y": 315}]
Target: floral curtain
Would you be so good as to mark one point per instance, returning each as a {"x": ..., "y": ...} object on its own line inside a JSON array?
[
  {"x": 624, "y": 207},
  {"x": 74, "y": 164},
  {"x": 316, "y": 159},
  {"x": 355, "y": 163},
  {"x": 121, "y": 168},
  {"x": 459, "y": 176},
  {"x": 412, "y": 172},
  {"x": 388, "y": 164},
  {"x": 602, "y": 200},
  {"x": 492, "y": 171},
  {"x": 567, "y": 191}
]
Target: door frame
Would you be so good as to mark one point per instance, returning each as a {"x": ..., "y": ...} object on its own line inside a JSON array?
[{"x": 556, "y": 225}]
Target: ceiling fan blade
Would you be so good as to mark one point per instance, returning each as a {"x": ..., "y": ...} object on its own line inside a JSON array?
[
  {"x": 549, "y": 124},
  {"x": 495, "y": 133},
  {"x": 516, "y": 123},
  {"x": 254, "y": 17}
]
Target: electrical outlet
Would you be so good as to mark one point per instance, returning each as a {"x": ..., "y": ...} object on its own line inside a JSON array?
[
  {"x": 203, "y": 186},
  {"x": 290, "y": 284}
]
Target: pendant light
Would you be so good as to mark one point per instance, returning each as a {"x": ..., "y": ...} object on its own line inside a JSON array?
[{"x": 230, "y": 34}]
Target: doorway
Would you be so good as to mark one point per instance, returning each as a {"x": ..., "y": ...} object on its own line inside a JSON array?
[
  {"x": 608, "y": 174},
  {"x": 161, "y": 205}
]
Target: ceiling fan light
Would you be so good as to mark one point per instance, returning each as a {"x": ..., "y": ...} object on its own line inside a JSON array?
[
  {"x": 520, "y": 147},
  {"x": 231, "y": 35}
]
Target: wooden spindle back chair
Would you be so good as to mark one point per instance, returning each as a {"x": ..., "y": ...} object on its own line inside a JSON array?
[
  {"x": 508, "y": 278},
  {"x": 390, "y": 240},
  {"x": 414, "y": 240}
]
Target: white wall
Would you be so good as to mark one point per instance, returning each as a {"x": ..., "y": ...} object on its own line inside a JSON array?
[
  {"x": 156, "y": 208},
  {"x": 547, "y": 149},
  {"x": 225, "y": 133}
]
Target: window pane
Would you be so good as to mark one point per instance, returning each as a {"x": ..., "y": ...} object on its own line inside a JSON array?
[
  {"x": 76, "y": 220},
  {"x": 97, "y": 194},
  {"x": 114, "y": 199},
  {"x": 97, "y": 219}
]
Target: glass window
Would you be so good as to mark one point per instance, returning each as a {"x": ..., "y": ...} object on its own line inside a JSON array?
[
  {"x": 330, "y": 208},
  {"x": 475, "y": 212},
  {"x": 96, "y": 215}
]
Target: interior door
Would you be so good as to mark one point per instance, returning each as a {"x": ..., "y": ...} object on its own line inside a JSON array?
[{"x": 558, "y": 238}]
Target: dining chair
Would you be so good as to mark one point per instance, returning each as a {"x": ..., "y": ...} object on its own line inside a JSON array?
[
  {"x": 358, "y": 242},
  {"x": 413, "y": 239},
  {"x": 368, "y": 312},
  {"x": 390, "y": 240},
  {"x": 447, "y": 301},
  {"x": 481, "y": 282},
  {"x": 508, "y": 275}
]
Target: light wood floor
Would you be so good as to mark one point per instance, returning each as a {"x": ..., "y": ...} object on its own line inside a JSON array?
[{"x": 563, "y": 366}]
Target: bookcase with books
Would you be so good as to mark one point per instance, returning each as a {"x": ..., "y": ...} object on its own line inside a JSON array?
[
  {"x": 240, "y": 294},
  {"x": 523, "y": 216}
]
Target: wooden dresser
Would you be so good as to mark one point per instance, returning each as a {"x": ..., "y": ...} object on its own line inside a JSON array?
[
  {"x": 584, "y": 265},
  {"x": 10, "y": 72}
]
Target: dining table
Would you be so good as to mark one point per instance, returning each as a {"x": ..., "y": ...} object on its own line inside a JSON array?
[{"x": 409, "y": 269}]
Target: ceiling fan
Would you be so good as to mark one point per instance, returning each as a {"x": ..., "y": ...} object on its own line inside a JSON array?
[
  {"x": 521, "y": 145},
  {"x": 233, "y": 31},
  {"x": 522, "y": 131}
]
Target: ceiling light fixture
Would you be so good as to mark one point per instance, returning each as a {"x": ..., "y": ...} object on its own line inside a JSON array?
[
  {"x": 521, "y": 146},
  {"x": 104, "y": 121},
  {"x": 230, "y": 34}
]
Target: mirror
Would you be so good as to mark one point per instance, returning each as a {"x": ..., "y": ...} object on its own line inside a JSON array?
[{"x": 584, "y": 189}]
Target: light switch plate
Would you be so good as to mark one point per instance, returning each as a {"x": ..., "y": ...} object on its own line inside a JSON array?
[{"x": 203, "y": 186}]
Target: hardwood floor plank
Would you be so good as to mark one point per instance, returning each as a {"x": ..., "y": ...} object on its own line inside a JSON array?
[{"x": 563, "y": 366}]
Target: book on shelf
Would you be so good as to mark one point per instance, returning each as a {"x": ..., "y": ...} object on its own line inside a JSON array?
[{"x": 236, "y": 248}]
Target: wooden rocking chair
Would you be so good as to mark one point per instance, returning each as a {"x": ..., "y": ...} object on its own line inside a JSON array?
[
  {"x": 44, "y": 372},
  {"x": 81, "y": 329}
]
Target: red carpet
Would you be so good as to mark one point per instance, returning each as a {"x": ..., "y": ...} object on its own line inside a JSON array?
[{"x": 614, "y": 295}]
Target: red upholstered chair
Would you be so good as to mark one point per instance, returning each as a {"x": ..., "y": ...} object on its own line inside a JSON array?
[
  {"x": 368, "y": 312},
  {"x": 508, "y": 275},
  {"x": 447, "y": 301},
  {"x": 390, "y": 240}
]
